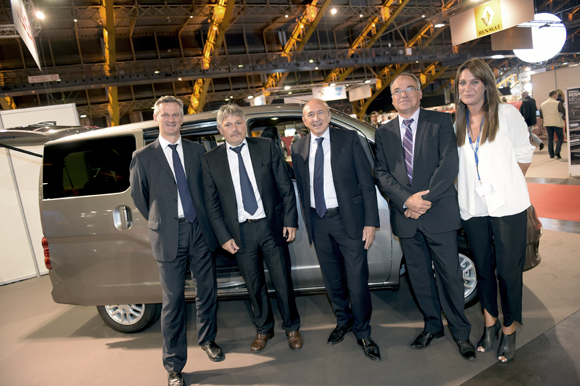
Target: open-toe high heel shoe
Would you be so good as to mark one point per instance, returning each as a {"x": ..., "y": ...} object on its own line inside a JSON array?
[
  {"x": 507, "y": 347},
  {"x": 490, "y": 334}
]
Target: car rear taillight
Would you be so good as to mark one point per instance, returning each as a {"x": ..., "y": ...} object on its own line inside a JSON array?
[{"x": 46, "y": 254}]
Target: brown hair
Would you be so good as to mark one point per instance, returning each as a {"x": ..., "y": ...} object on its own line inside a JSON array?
[{"x": 491, "y": 101}]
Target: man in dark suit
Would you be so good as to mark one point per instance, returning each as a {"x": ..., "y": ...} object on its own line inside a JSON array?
[
  {"x": 166, "y": 186},
  {"x": 252, "y": 209},
  {"x": 528, "y": 110},
  {"x": 416, "y": 167},
  {"x": 339, "y": 207}
]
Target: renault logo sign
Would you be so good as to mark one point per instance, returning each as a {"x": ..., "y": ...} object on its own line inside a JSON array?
[{"x": 488, "y": 18}]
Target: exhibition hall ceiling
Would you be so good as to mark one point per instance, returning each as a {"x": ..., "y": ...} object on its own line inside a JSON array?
[{"x": 270, "y": 47}]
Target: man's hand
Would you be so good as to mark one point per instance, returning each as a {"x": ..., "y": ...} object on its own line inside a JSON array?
[
  {"x": 417, "y": 204},
  {"x": 410, "y": 214},
  {"x": 289, "y": 233},
  {"x": 231, "y": 246},
  {"x": 368, "y": 236}
]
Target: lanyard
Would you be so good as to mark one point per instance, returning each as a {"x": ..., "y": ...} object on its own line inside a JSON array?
[{"x": 476, "y": 150}]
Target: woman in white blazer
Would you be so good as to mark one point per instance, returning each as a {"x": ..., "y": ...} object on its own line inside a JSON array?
[{"x": 494, "y": 155}]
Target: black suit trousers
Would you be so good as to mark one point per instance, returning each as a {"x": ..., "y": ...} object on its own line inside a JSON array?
[
  {"x": 498, "y": 248},
  {"x": 259, "y": 246},
  {"x": 192, "y": 251},
  {"x": 442, "y": 291},
  {"x": 345, "y": 270}
]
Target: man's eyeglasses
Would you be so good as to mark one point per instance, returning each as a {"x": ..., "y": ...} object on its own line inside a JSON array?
[{"x": 408, "y": 90}]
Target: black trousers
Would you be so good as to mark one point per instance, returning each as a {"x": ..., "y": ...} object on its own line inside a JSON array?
[
  {"x": 560, "y": 133},
  {"x": 345, "y": 271},
  {"x": 192, "y": 251},
  {"x": 258, "y": 246},
  {"x": 444, "y": 291},
  {"x": 498, "y": 245}
]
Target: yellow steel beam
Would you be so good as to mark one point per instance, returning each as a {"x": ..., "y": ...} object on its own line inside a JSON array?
[
  {"x": 340, "y": 74},
  {"x": 108, "y": 15},
  {"x": 304, "y": 29},
  {"x": 381, "y": 86},
  {"x": 433, "y": 77},
  {"x": 422, "y": 32},
  {"x": 7, "y": 103},
  {"x": 220, "y": 21},
  {"x": 507, "y": 79}
]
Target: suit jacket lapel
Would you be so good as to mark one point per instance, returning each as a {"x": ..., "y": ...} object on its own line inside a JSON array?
[
  {"x": 160, "y": 156},
  {"x": 394, "y": 126},
  {"x": 421, "y": 129},
  {"x": 304, "y": 153},
  {"x": 256, "y": 157},
  {"x": 221, "y": 159},
  {"x": 334, "y": 151}
]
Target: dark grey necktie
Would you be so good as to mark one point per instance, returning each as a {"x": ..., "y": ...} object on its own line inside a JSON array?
[
  {"x": 318, "y": 180},
  {"x": 182, "y": 186},
  {"x": 248, "y": 196}
]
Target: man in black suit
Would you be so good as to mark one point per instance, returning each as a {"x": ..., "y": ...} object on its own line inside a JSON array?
[
  {"x": 166, "y": 186},
  {"x": 252, "y": 209},
  {"x": 416, "y": 167},
  {"x": 528, "y": 110},
  {"x": 339, "y": 207}
]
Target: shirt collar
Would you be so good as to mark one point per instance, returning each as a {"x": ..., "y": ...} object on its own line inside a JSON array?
[
  {"x": 164, "y": 143},
  {"x": 326, "y": 136},
  {"x": 414, "y": 117},
  {"x": 230, "y": 146}
]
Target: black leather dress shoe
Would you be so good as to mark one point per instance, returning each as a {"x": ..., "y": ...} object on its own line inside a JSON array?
[
  {"x": 424, "y": 339},
  {"x": 213, "y": 351},
  {"x": 466, "y": 349},
  {"x": 175, "y": 379},
  {"x": 337, "y": 335},
  {"x": 370, "y": 348}
]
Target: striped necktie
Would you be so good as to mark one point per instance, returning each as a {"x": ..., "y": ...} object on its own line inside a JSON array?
[{"x": 408, "y": 148}]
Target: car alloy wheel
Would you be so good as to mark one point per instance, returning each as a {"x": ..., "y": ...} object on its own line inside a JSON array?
[{"x": 129, "y": 318}]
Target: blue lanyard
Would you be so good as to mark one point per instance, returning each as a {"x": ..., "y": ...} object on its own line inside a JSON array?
[{"x": 476, "y": 150}]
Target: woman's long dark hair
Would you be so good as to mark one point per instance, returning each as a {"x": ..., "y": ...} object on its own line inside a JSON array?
[{"x": 491, "y": 97}]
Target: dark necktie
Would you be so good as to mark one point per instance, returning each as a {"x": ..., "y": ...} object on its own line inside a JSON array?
[
  {"x": 182, "y": 186},
  {"x": 408, "y": 148},
  {"x": 318, "y": 181},
  {"x": 248, "y": 196}
]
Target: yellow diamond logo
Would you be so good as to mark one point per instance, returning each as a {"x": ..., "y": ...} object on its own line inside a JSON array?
[{"x": 487, "y": 16}]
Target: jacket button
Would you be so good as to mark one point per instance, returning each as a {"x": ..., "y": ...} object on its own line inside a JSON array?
[{"x": 175, "y": 200}]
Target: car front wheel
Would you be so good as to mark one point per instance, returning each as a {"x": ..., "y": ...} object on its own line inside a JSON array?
[
  {"x": 130, "y": 318},
  {"x": 469, "y": 278}
]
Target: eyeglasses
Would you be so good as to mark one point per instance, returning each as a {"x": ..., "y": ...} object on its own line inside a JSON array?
[{"x": 408, "y": 90}]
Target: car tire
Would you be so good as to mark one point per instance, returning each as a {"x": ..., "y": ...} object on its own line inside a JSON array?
[
  {"x": 469, "y": 278},
  {"x": 130, "y": 318}
]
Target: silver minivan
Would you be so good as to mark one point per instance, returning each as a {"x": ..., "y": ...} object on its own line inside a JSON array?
[{"x": 96, "y": 243}]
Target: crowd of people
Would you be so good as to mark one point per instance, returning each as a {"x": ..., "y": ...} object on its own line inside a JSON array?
[{"x": 239, "y": 196}]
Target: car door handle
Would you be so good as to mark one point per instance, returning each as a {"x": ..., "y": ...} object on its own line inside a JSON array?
[{"x": 122, "y": 217}]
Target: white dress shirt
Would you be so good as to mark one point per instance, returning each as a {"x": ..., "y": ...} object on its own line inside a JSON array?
[
  {"x": 498, "y": 167},
  {"x": 235, "y": 172},
  {"x": 329, "y": 191},
  {"x": 403, "y": 128},
  {"x": 169, "y": 156}
]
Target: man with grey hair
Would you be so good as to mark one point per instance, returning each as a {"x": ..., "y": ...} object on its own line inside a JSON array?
[
  {"x": 340, "y": 211},
  {"x": 252, "y": 209},
  {"x": 166, "y": 186},
  {"x": 528, "y": 110},
  {"x": 416, "y": 167}
]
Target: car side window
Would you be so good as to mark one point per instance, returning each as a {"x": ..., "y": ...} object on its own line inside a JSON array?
[{"x": 90, "y": 167}]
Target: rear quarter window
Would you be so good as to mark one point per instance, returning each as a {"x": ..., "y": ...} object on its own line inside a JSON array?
[{"x": 89, "y": 167}]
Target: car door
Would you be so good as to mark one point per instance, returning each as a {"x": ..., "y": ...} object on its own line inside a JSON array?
[{"x": 98, "y": 242}]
